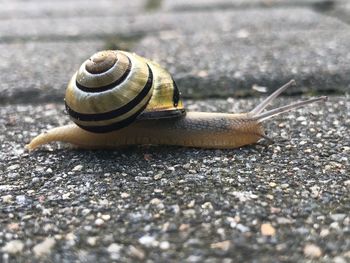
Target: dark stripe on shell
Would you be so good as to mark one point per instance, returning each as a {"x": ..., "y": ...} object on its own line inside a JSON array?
[
  {"x": 114, "y": 126},
  {"x": 109, "y": 86},
  {"x": 117, "y": 112},
  {"x": 176, "y": 94}
]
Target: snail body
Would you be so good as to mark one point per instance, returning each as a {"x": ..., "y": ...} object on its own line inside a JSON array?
[
  {"x": 119, "y": 99},
  {"x": 197, "y": 129}
]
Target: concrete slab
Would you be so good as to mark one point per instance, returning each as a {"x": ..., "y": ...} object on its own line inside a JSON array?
[
  {"x": 278, "y": 45},
  {"x": 205, "y": 65},
  {"x": 34, "y": 72},
  {"x": 76, "y": 28},
  {"x": 210, "y": 53},
  {"x": 270, "y": 20},
  {"x": 174, "y": 204}
]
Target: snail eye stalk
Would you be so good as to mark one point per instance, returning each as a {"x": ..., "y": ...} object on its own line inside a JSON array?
[{"x": 260, "y": 116}]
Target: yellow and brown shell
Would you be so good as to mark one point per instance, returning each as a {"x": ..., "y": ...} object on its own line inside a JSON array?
[{"x": 113, "y": 88}]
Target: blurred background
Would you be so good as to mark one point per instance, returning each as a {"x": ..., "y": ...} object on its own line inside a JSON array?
[{"x": 212, "y": 48}]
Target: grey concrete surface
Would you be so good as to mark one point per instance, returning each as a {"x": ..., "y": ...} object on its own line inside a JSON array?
[
  {"x": 37, "y": 72},
  {"x": 281, "y": 202},
  {"x": 279, "y": 44},
  {"x": 270, "y": 58}
]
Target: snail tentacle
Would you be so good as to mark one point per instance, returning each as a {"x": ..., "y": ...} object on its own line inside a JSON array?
[
  {"x": 271, "y": 113},
  {"x": 260, "y": 107},
  {"x": 260, "y": 116}
]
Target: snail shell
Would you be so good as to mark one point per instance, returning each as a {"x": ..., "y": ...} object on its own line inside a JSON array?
[{"x": 113, "y": 88}]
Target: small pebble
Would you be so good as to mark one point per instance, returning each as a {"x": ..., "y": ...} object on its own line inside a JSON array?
[
  {"x": 13, "y": 247},
  {"x": 184, "y": 227},
  {"x": 44, "y": 247},
  {"x": 275, "y": 210},
  {"x": 267, "y": 230},
  {"x": 189, "y": 212},
  {"x": 164, "y": 245},
  {"x": 337, "y": 217},
  {"x": 191, "y": 204},
  {"x": 124, "y": 195},
  {"x": 315, "y": 191},
  {"x": 158, "y": 176},
  {"x": 66, "y": 196},
  {"x": 7, "y": 198},
  {"x": 272, "y": 184},
  {"x": 13, "y": 226},
  {"x": 301, "y": 118},
  {"x": 21, "y": 199},
  {"x": 324, "y": 232},
  {"x": 155, "y": 201},
  {"x": 114, "y": 248},
  {"x": 13, "y": 167},
  {"x": 187, "y": 166},
  {"x": 77, "y": 168},
  {"x": 148, "y": 241},
  {"x": 91, "y": 241},
  {"x": 137, "y": 252},
  {"x": 302, "y": 142},
  {"x": 99, "y": 222},
  {"x": 207, "y": 205},
  {"x": 70, "y": 236},
  {"x": 223, "y": 245},
  {"x": 335, "y": 225},
  {"x": 312, "y": 251},
  {"x": 114, "y": 251},
  {"x": 85, "y": 211},
  {"x": 242, "y": 228},
  {"x": 284, "y": 221},
  {"x": 268, "y": 196},
  {"x": 284, "y": 186},
  {"x": 106, "y": 217},
  {"x": 171, "y": 168}
]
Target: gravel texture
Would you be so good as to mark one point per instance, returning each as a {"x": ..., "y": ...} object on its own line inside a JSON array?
[{"x": 281, "y": 202}]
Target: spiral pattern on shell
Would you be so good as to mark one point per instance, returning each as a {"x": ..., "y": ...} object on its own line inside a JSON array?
[{"x": 113, "y": 88}]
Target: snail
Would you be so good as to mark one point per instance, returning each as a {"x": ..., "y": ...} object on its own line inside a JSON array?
[{"x": 117, "y": 98}]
